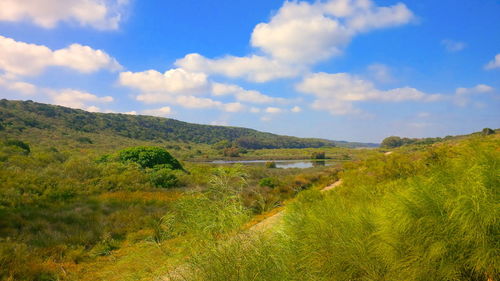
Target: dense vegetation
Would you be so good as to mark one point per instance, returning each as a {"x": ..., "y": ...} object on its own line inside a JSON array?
[
  {"x": 63, "y": 212},
  {"x": 426, "y": 215},
  {"x": 19, "y": 115}
]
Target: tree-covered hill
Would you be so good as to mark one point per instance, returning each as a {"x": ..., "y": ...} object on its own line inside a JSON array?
[{"x": 20, "y": 115}]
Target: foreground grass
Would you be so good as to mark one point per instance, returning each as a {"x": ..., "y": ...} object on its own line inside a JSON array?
[{"x": 430, "y": 215}]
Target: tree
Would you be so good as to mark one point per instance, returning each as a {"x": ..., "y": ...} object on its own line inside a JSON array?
[
  {"x": 150, "y": 157},
  {"x": 392, "y": 142},
  {"x": 487, "y": 131},
  {"x": 318, "y": 155}
]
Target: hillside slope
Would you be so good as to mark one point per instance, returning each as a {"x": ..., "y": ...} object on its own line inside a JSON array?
[{"x": 19, "y": 115}]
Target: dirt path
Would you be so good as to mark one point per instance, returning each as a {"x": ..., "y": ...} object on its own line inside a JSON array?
[
  {"x": 271, "y": 221},
  {"x": 264, "y": 225}
]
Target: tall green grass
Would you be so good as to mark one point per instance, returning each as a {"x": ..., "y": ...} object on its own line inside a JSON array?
[{"x": 431, "y": 215}]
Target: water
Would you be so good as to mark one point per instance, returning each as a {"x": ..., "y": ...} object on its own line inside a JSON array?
[{"x": 283, "y": 164}]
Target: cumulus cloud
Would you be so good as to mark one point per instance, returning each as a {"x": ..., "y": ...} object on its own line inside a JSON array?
[
  {"x": 462, "y": 96},
  {"x": 77, "y": 99},
  {"x": 303, "y": 32},
  {"x": 337, "y": 92},
  {"x": 158, "y": 86},
  {"x": 453, "y": 46},
  {"x": 296, "y": 109},
  {"x": 273, "y": 110},
  {"x": 251, "y": 96},
  {"x": 299, "y": 35},
  {"x": 19, "y": 58},
  {"x": 21, "y": 87},
  {"x": 495, "y": 63},
  {"x": 253, "y": 68},
  {"x": 99, "y": 14},
  {"x": 161, "y": 112}
]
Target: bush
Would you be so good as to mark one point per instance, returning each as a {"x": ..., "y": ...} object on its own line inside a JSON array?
[
  {"x": 84, "y": 140},
  {"x": 22, "y": 145},
  {"x": 271, "y": 165},
  {"x": 269, "y": 182},
  {"x": 487, "y": 131},
  {"x": 149, "y": 157},
  {"x": 164, "y": 178},
  {"x": 318, "y": 155},
  {"x": 232, "y": 152}
]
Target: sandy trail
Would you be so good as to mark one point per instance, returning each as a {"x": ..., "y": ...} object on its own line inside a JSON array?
[{"x": 267, "y": 223}]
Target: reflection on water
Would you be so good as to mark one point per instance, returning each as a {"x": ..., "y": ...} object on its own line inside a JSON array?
[{"x": 283, "y": 164}]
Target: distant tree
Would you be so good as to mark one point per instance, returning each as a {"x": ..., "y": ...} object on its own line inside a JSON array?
[
  {"x": 318, "y": 155},
  {"x": 487, "y": 131},
  {"x": 223, "y": 144},
  {"x": 22, "y": 145},
  {"x": 2, "y": 127},
  {"x": 270, "y": 164},
  {"x": 149, "y": 157},
  {"x": 232, "y": 152},
  {"x": 392, "y": 142},
  {"x": 84, "y": 140}
]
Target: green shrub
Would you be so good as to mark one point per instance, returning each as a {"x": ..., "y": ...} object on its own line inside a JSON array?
[
  {"x": 271, "y": 165},
  {"x": 164, "y": 178},
  {"x": 149, "y": 157},
  {"x": 318, "y": 155},
  {"x": 84, "y": 140},
  {"x": 269, "y": 182},
  {"x": 17, "y": 143}
]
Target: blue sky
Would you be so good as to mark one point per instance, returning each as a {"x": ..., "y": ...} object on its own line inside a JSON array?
[{"x": 357, "y": 70}]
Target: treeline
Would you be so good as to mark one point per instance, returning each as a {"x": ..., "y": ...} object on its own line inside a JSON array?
[
  {"x": 394, "y": 141},
  {"x": 20, "y": 115}
]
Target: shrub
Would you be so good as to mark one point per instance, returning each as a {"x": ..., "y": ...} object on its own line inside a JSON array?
[
  {"x": 84, "y": 140},
  {"x": 271, "y": 165},
  {"x": 232, "y": 152},
  {"x": 164, "y": 178},
  {"x": 318, "y": 155},
  {"x": 269, "y": 182},
  {"x": 22, "y": 145},
  {"x": 149, "y": 157},
  {"x": 487, "y": 131}
]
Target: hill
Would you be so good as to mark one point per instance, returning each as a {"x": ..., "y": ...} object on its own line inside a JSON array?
[{"x": 20, "y": 115}]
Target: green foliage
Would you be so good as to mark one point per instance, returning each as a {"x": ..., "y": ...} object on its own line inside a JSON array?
[
  {"x": 318, "y": 155},
  {"x": 430, "y": 215},
  {"x": 84, "y": 140},
  {"x": 269, "y": 182},
  {"x": 487, "y": 131},
  {"x": 164, "y": 178},
  {"x": 231, "y": 152},
  {"x": 17, "y": 143},
  {"x": 27, "y": 114},
  {"x": 223, "y": 144},
  {"x": 149, "y": 157},
  {"x": 392, "y": 142},
  {"x": 271, "y": 165}
]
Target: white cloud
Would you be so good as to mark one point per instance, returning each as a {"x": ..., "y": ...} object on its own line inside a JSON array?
[
  {"x": 19, "y": 58},
  {"x": 298, "y": 35},
  {"x": 161, "y": 112},
  {"x": 21, "y": 87},
  {"x": 76, "y": 99},
  {"x": 453, "y": 46},
  {"x": 252, "y": 96},
  {"x": 303, "y": 32},
  {"x": 133, "y": 112},
  {"x": 274, "y": 110},
  {"x": 99, "y": 14},
  {"x": 296, "y": 109},
  {"x": 161, "y": 87},
  {"x": 253, "y": 68},
  {"x": 495, "y": 63},
  {"x": 234, "y": 107},
  {"x": 337, "y": 92},
  {"x": 462, "y": 95}
]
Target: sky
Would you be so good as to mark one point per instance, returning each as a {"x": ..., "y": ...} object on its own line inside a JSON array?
[{"x": 356, "y": 70}]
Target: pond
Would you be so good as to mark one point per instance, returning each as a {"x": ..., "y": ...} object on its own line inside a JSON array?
[{"x": 283, "y": 164}]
